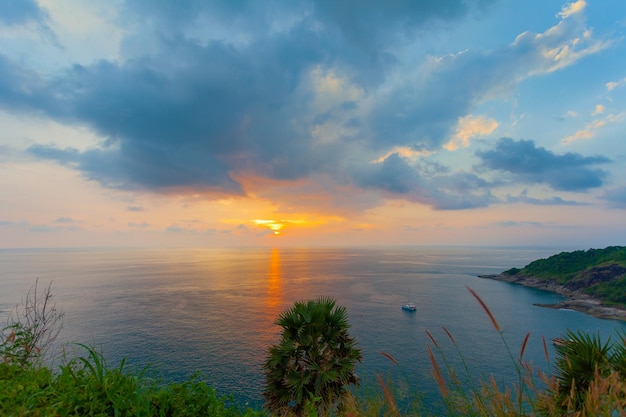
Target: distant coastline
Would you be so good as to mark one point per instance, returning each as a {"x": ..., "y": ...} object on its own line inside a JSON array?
[{"x": 575, "y": 300}]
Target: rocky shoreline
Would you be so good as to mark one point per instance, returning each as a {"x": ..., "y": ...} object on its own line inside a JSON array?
[{"x": 574, "y": 299}]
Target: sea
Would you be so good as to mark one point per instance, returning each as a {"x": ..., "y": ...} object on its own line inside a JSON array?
[{"x": 210, "y": 312}]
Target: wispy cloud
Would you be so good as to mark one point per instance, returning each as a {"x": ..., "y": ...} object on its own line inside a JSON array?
[
  {"x": 612, "y": 85},
  {"x": 572, "y": 8},
  {"x": 469, "y": 127},
  {"x": 516, "y": 223},
  {"x": 141, "y": 225},
  {"x": 598, "y": 110},
  {"x": 551, "y": 201},
  {"x": 64, "y": 220},
  {"x": 590, "y": 129},
  {"x": 615, "y": 197}
]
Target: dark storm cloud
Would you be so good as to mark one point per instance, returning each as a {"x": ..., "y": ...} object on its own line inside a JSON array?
[
  {"x": 365, "y": 23},
  {"x": 527, "y": 163},
  {"x": 19, "y": 12},
  {"x": 616, "y": 197},
  {"x": 360, "y": 21}
]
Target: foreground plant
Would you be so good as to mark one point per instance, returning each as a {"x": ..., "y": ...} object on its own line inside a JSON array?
[
  {"x": 310, "y": 370},
  {"x": 590, "y": 377},
  {"x": 589, "y": 380},
  {"x": 31, "y": 327},
  {"x": 87, "y": 386}
]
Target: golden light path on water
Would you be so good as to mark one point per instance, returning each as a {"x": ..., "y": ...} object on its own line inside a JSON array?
[{"x": 274, "y": 284}]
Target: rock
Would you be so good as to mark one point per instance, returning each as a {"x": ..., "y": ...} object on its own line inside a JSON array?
[{"x": 575, "y": 300}]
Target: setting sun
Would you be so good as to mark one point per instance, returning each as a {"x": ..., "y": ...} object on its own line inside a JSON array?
[
  {"x": 276, "y": 226},
  {"x": 273, "y": 225}
]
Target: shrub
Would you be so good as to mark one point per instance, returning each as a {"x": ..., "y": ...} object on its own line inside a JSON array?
[{"x": 31, "y": 327}]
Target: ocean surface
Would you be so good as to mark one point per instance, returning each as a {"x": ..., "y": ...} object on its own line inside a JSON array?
[{"x": 181, "y": 311}]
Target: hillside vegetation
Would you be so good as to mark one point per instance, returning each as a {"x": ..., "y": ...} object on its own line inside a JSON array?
[{"x": 597, "y": 272}]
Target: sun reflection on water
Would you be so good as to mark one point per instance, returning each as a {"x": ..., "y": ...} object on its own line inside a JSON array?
[{"x": 274, "y": 284}]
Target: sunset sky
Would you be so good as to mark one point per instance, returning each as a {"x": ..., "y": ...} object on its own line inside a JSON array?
[{"x": 320, "y": 122}]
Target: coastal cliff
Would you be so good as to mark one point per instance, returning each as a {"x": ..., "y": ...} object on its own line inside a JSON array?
[{"x": 592, "y": 282}]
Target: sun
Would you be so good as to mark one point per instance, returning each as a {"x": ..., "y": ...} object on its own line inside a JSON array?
[
  {"x": 273, "y": 225},
  {"x": 277, "y": 227}
]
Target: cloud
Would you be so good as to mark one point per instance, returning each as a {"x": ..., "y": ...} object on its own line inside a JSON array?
[
  {"x": 44, "y": 228},
  {"x": 598, "y": 110},
  {"x": 5, "y": 223},
  {"x": 62, "y": 224},
  {"x": 295, "y": 95},
  {"x": 563, "y": 44},
  {"x": 135, "y": 208},
  {"x": 515, "y": 223},
  {"x": 423, "y": 107},
  {"x": 141, "y": 225},
  {"x": 527, "y": 163},
  {"x": 360, "y": 22},
  {"x": 437, "y": 188},
  {"x": 588, "y": 132},
  {"x": 553, "y": 201},
  {"x": 469, "y": 127},
  {"x": 612, "y": 85},
  {"x": 64, "y": 220},
  {"x": 616, "y": 197},
  {"x": 20, "y": 12},
  {"x": 367, "y": 25},
  {"x": 572, "y": 8}
]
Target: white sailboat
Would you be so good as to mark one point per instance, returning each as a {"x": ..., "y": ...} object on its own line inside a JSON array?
[{"x": 409, "y": 306}]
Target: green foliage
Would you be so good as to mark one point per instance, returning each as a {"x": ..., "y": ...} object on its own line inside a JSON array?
[
  {"x": 315, "y": 361},
  {"x": 581, "y": 359},
  {"x": 590, "y": 376},
  {"x": 565, "y": 265},
  {"x": 512, "y": 271},
  {"x": 85, "y": 386},
  {"x": 613, "y": 292}
]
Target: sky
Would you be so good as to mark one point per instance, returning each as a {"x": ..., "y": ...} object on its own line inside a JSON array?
[{"x": 295, "y": 123}]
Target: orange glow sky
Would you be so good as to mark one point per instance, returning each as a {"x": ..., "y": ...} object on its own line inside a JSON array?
[{"x": 128, "y": 124}]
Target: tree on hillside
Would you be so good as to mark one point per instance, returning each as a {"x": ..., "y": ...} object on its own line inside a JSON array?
[{"x": 315, "y": 361}]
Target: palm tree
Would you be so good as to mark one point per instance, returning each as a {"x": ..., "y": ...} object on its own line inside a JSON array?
[
  {"x": 315, "y": 361},
  {"x": 580, "y": 360}
]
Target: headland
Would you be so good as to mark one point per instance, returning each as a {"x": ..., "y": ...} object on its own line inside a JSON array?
[
  {"x": 592, "y": 281},
  {"x": 576, "y": 300}
]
